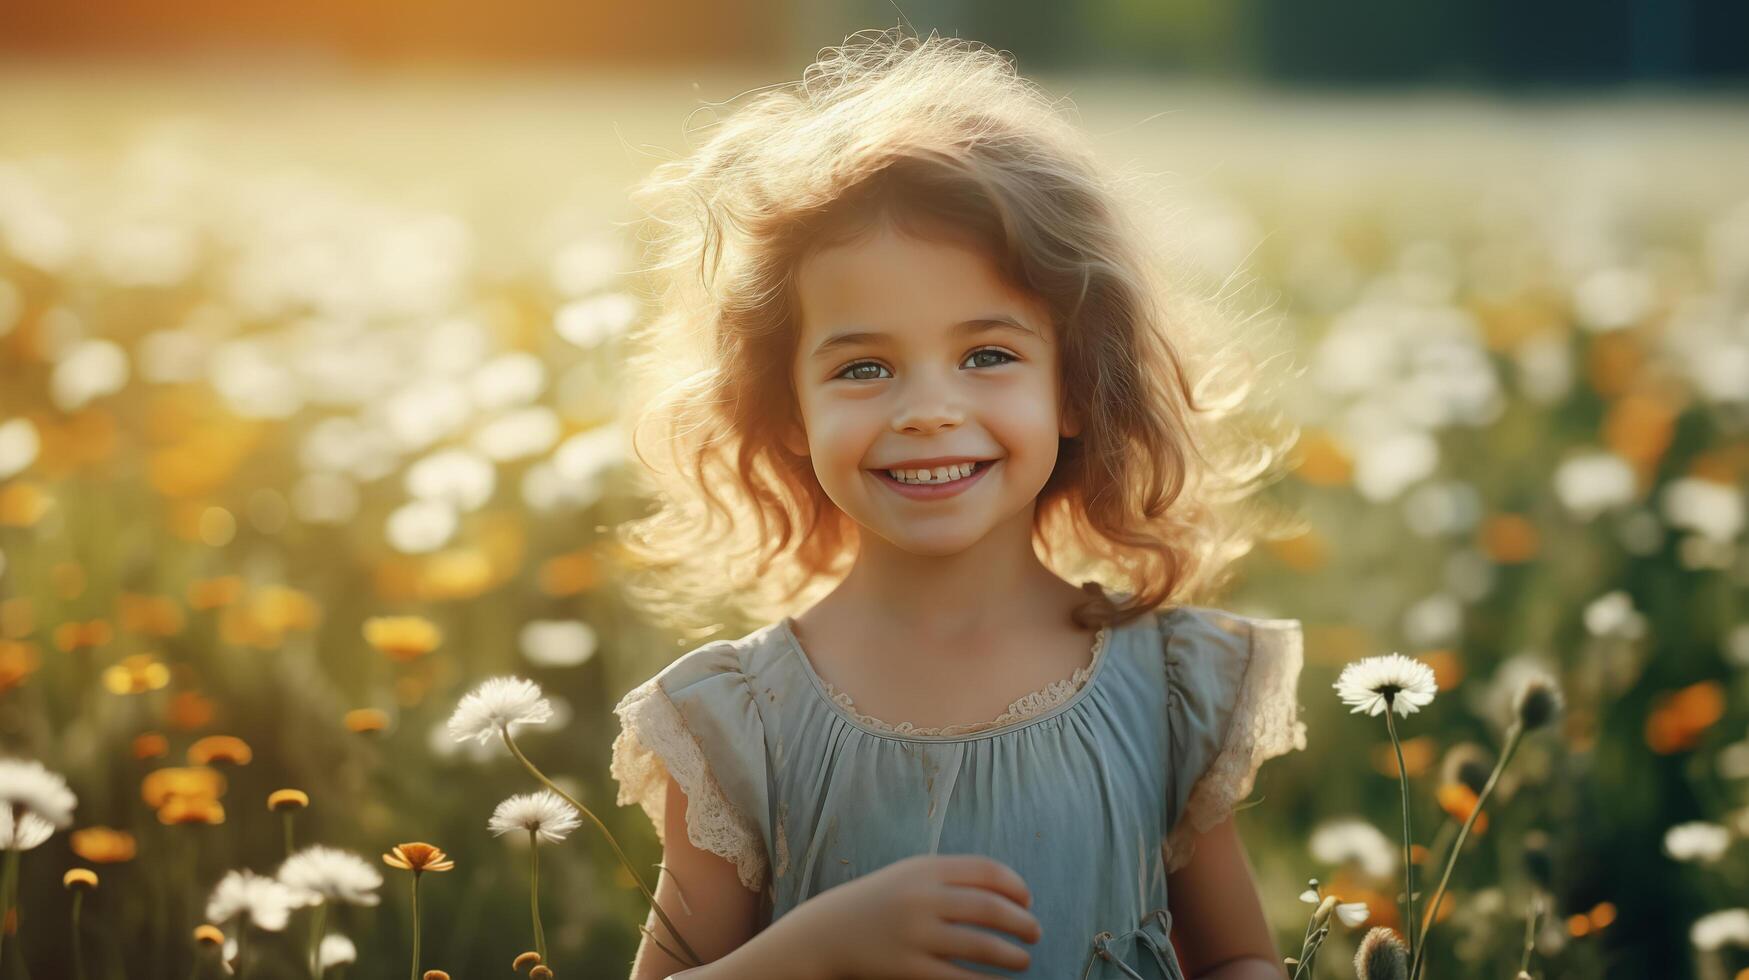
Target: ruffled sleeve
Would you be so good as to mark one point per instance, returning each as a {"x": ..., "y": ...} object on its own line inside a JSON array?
[
  {"x": 697, "y": 720},
  {"x": 1231, "y": 703}
]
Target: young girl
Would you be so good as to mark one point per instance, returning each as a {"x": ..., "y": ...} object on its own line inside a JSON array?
[{"x": 910, "y": 340}]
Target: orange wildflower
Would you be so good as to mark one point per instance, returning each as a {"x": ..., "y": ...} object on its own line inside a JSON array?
[
  {"x": 212, "y": 593},
  {"x": 136, "y": 674},
  {"x": 1457, "y": 800},
  {"x": 1679, "y": 718},
  {"x": 220, "y": 748},
  {"x": 149, "y": 615},
  {"x": 288, "y": 799},
  {"x": 184, "y": 810},
  {"x": 188, "y": 783},
  {"x": 366, "y": 721},
  {"x": 418, "y": 857},
  {"x": 79, "y": 878},
  {"x": 402, "y": 638},
  {"x": 18, "y": 660},
  {"x": 103, "y": 845},
  {"x": 151, "y": 745},
  {"x": 189, "y": 710},
  {"x": 1510, "y": 539},
  {"x": 71, "y": 636}
]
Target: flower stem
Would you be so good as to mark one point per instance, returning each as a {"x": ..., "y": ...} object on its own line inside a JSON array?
[
  {"x": 242, "y": 947},
  {"x": 1529, "y": 934},
  {"x": 415, "y": 974},
  {"x": 78, "y": 947},
  {"x": 540, "y": 936},
  {"x": 6, "y": 880},
  {"x": 1408, "y": 866},
  {"x": 1513, "y": 734},
  {"x": 288, "y": 833},
  {"x": 630, "y": 869},
  {"x": 316, "y": 941}
]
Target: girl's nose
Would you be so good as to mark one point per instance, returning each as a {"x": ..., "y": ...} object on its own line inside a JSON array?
[
  {"x": 921, "y": 419},
  {"x": 928, "y": 405}
]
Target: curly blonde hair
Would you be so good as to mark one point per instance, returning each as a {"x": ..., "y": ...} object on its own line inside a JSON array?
[{"x": 942, "y": 137}]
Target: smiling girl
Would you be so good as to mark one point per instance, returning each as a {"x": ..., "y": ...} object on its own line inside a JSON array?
[{"x": 915, "y": 375}]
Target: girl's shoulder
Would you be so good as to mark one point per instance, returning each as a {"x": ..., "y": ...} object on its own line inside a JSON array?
[
  {"x": 699, "y": 721},
  {"x": 1232, "y": 685}
]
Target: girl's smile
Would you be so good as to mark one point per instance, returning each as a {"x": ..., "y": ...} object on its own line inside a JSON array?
[{"x": 932, "y": 490}]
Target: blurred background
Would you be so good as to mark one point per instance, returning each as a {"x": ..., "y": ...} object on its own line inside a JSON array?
[{"x": 310, "y": 317}]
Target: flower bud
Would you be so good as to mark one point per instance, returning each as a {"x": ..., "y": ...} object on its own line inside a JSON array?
[
  {"x": 1381, "y": 956},
  {"x": 1538, "y": 702}
]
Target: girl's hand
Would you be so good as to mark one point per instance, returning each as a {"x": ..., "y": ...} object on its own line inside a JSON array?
[{"x": 910, "y": 918}]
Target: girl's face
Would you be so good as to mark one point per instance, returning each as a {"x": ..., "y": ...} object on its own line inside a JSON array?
[{"x": 914, "y": 353}]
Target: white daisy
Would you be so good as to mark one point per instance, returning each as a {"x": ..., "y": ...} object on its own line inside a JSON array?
[
  {"x": 1716, "y": 930},
  {"x": 24, "y": 782},
  {"x": 1408, "y": 684},
  {"x": 29, "y": 832},
  {"x": 336, "y": 950},
  {"x": 1348, "y": 839},
  {"x": 264, "y": 901},
  {"x": 501, "y": 702},
  {"x": 546, "y": 813},
  {"x": 1697, "y": 840},
  {"x": 320, "y": 874}
]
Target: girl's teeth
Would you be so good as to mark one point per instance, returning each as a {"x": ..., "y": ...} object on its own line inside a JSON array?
[{"x": 941, "y": 474}]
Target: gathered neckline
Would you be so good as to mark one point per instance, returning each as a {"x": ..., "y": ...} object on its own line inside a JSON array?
[{"x": 1023, "y": 711}]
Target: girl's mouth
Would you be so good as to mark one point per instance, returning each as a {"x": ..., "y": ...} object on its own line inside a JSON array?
[{"x": 935, "y": 491}]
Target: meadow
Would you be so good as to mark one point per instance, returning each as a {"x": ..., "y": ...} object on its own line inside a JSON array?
[{"x": 309, "y": 425}]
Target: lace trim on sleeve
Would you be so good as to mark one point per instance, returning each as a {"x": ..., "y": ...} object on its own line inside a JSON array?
[
  {"x": 1036, "y": 703},
  {"x": 1264, "y": 725},
  {"x": 653, "y": 741}
]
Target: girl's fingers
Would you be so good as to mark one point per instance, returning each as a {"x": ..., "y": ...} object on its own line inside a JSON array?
[
  {"x": 978, "y": 871},
  {"x": 987, "y": 908},
  {"x": 961, "y": 943}
]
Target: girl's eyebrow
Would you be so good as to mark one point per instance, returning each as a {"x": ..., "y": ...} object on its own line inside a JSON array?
[{"x": 993, "y": 321}]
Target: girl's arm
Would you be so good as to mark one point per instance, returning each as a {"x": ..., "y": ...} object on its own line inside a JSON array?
[
  {"x": 1218, "y": 927},
  {"x": 723, "y": 912}
]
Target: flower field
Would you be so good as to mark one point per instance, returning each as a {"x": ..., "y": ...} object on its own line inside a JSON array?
[{"x": 309, "y": 430}]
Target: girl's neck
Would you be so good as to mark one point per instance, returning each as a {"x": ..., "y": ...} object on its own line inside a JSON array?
[{"x": 989, "y": 586}]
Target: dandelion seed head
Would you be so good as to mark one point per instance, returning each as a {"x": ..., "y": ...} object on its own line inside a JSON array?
[
  {"x": 501, "y": 702},
  {"x": 26, "y": 783},
  {"x": 1697, "y": 840},
  {"x": 29, "y": 831},
  {"x": 1716, "y": 930},
  {"x": 261, "y": 900},
  {"x": 545, "y": 813},
  {"x": 336, "y": 950},
  {"x": 1393, "y": 680},
  {"x": 320, "y": 874},
  {"x": 1351, "y": 839}
]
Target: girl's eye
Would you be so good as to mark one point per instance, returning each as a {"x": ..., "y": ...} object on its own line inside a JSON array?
[{"x": 847, "y": 374}]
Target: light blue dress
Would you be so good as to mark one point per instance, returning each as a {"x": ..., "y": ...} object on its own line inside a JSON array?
[{"x": 1092, "y": 789}]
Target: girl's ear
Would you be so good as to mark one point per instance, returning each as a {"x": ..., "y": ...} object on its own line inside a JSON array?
[{"x": 1070, "y": 423}]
